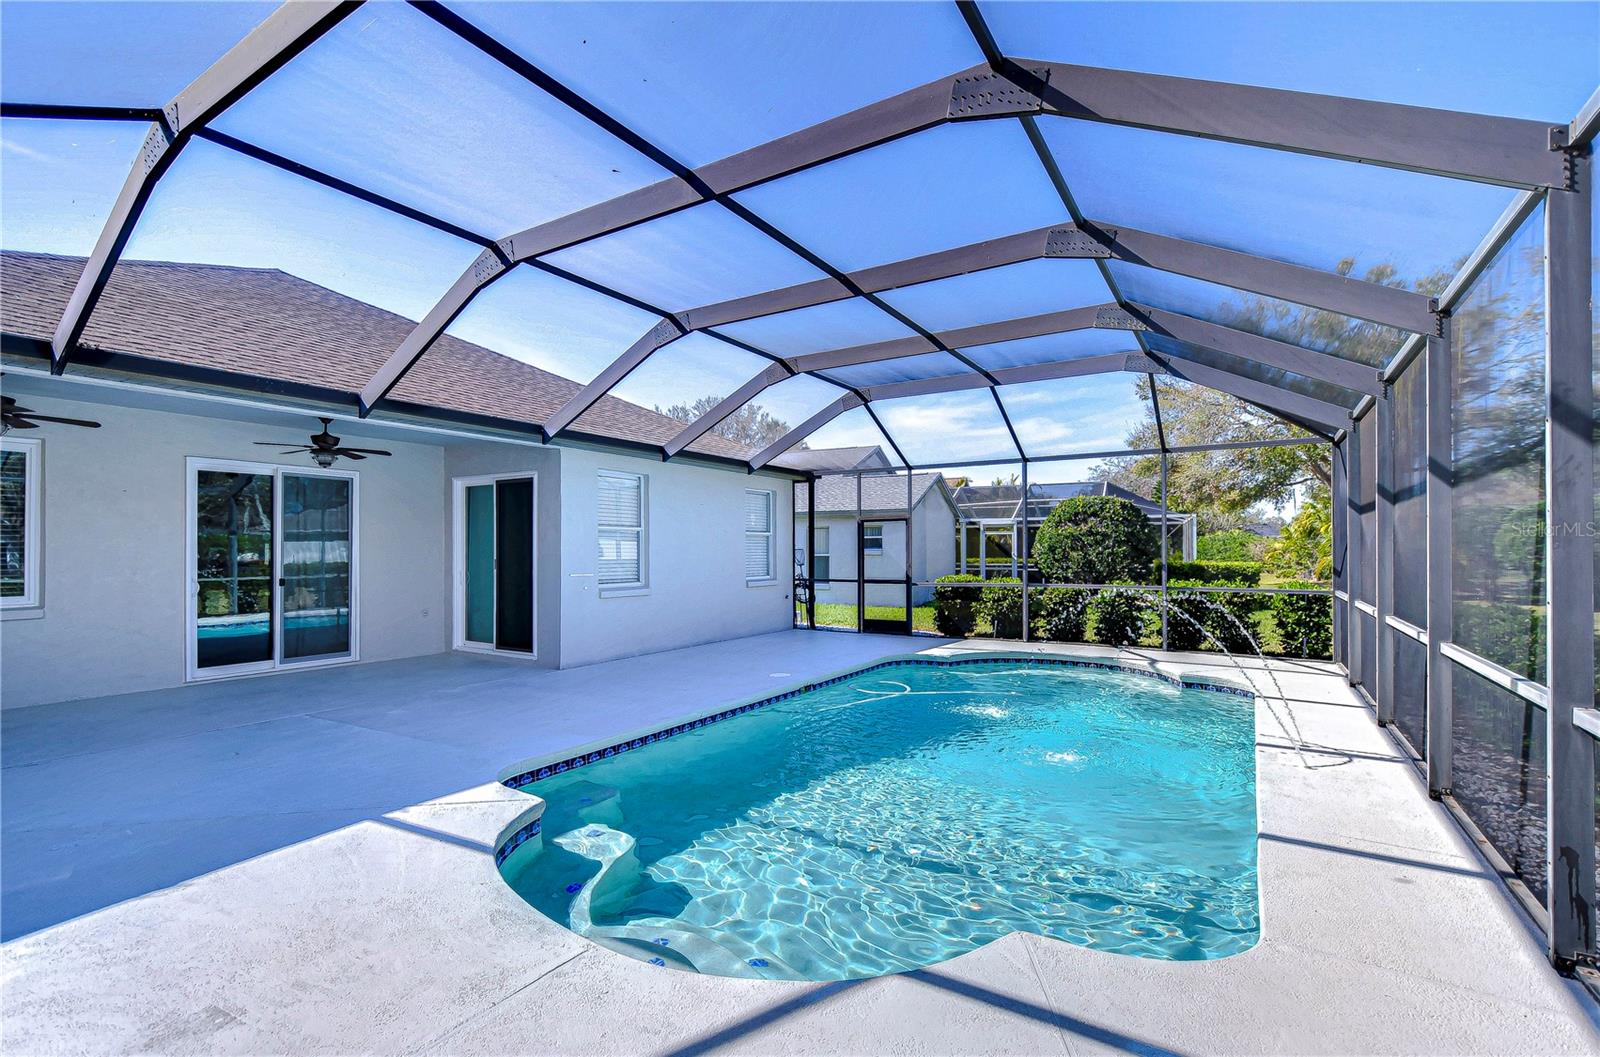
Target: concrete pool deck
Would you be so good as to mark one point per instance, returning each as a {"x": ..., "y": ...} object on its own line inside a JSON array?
[{"x": 306, "y": 864}]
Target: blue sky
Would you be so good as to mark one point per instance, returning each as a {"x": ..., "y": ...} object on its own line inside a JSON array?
[{"x": 391, "y": 100}]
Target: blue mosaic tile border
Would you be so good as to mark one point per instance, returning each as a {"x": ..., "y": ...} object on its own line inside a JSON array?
[
  {"x": 517, "y": 840},
  {"x": 550, "y": 770}
]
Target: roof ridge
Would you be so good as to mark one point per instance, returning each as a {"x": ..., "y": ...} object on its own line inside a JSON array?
[{"x": 366, "y": 321}]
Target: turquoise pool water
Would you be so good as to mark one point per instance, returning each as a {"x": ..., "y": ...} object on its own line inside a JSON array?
[{"x": 911, "y": 813}]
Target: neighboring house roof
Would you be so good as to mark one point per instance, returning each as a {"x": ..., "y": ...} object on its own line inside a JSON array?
[
  {"x": 1268, "y": 529},
  {"x": 834, "y": 460},
  {"x": 269, "y": 324},
  {"x": 879, "y": 493},
  {"x": 1001, "y": 501}
]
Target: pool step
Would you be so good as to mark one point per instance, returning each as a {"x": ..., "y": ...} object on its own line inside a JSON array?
[{"x": 620, "y": 877}]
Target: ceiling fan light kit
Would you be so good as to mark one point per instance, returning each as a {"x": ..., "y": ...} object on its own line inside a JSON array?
[{"x": 324, "y": 448}]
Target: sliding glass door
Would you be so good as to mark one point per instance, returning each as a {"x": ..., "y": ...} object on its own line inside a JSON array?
[
  {"x": 234, "y": 593},
  {"x": 314, "y": 515},
  {"x": 495, "y": 563},
  {"x": 272, "y": 567}
]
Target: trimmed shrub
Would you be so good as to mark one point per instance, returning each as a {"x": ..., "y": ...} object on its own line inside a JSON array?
[
  {"x": 1305, "y": 622},
  {"x": 1204, "y": 620},
  {"x": 1229, "y": 545},
  {"x": 1095, "y": 539},
  {"x": 1512, "y": 636},
  {"x": 1001, "y": 607},
  {"x": 955, "y": 609},
  {"x": 1061, "y": 614},
  {"x": 1187, "y": 615},
  {"x": 1233, "y": 574},
  {"x": 1118, "y": 617}
]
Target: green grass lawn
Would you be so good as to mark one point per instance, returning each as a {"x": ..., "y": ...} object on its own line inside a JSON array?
[{"x": 843, "y": 615}]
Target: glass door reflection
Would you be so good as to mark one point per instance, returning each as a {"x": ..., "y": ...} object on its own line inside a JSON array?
[
  {"x": 233, "y": 569},
  {"x": 315, "y": 573}
]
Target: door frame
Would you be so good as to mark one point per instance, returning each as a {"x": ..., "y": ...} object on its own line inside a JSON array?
[
  {"x": 458, "y": 558},
  {"x": 192, "y": 465},
  {"x": 863, "y": 581}
]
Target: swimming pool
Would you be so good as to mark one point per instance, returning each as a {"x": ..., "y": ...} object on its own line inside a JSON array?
[{"x": 906, "y": 813}]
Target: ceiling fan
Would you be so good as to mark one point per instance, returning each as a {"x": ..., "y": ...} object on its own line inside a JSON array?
[
  {"x": 14, "y": 417},
  {"x": 324, "y": 447}
]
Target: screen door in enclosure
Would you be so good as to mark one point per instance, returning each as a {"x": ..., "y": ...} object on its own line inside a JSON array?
[{"x": 883, "y": 575}]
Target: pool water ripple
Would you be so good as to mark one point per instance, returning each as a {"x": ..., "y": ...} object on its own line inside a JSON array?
[{"x": 909, "y": 814}]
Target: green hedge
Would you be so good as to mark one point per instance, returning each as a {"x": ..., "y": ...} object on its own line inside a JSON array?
[
  {"x": 1214, "y": 617},
  {"x": 1118, "y": 617},
  {"x": 1305, "y": 622},
  {"x": 955, "y": 609},
  {"x": 1061, "y": 614},
  {"x": 1001, "y": 607},
  {"x": 1231, "y": 574},
  {"x": 1510, "y": 635}
]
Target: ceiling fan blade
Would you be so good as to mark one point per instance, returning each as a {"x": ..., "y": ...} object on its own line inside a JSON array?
[
  {"x": 366, "y": 451},
  {"x": 64, "y": 421},
  {"x": 348, "y": 454},
  {"x": 20, "y": 423},
  {"x": 295, "y": 451},
  {"x": 273, "y": 443}
]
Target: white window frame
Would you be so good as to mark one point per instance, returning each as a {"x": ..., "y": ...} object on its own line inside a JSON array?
[
  {"x": 641, "y": 585},
  {"x": 771, "y": 499},
  {"x": 824, "y": 551},
  {"x": 866, "y": 539},
  {"x": 32, "y": 450}
]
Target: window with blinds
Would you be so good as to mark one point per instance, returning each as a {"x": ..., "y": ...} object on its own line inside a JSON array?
[
  {"x": 757, "y": 535},
  {"x": 622, "y": 529},
  {"x": 19, "y": 522}
]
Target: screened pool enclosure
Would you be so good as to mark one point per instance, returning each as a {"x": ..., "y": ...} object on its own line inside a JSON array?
[{"x": 922, "y": 227}]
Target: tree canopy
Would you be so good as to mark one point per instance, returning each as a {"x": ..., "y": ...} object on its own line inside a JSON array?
[{"x": 752, "y": 425}]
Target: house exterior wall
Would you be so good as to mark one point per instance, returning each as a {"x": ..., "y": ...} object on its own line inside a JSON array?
[
  {"x": 114, "y": 527},
  {"x": 696, "y": 590},
  {"x": 935, "y": 542}
]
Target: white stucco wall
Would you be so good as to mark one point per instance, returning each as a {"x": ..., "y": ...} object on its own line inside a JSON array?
[
  {"x": 934, "y": 542},
  {"x": 697, "y": 591},
  {"x": 114, "y": 578}
]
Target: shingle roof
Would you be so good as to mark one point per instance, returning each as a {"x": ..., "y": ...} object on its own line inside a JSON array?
[
  {"x": 1000, "y": 501},
  {"x": 269, "y": 324},
  {"x": 879, "y": 492},
  {"x": 828, "y": 460}
]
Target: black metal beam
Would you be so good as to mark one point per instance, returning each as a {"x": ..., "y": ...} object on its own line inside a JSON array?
[
  {"x": 1282, "y": 402},
  {"x": 1497, "y": 150},
  {"x": 71, "y": 112},
  {"x": 1296, "y": 359},
  {"x": 285, "y": 33}
]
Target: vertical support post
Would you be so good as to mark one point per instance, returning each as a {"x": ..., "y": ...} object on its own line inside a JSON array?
[
  {"x": 1022, "y": 548},
  {"x": 1441, "y": 574},
  {"x": 1163, "y": 550},
  {"x": 1341, "y": 576},
  {"x": 1354, "y": 551},
  {"x": 911, "y": 623},
  {"x": 1569, "y": 563},
  {"x": 1384, "y": 497},
  {"x": 860, "y": 545},
  {"x": 811, "y": 552}
]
